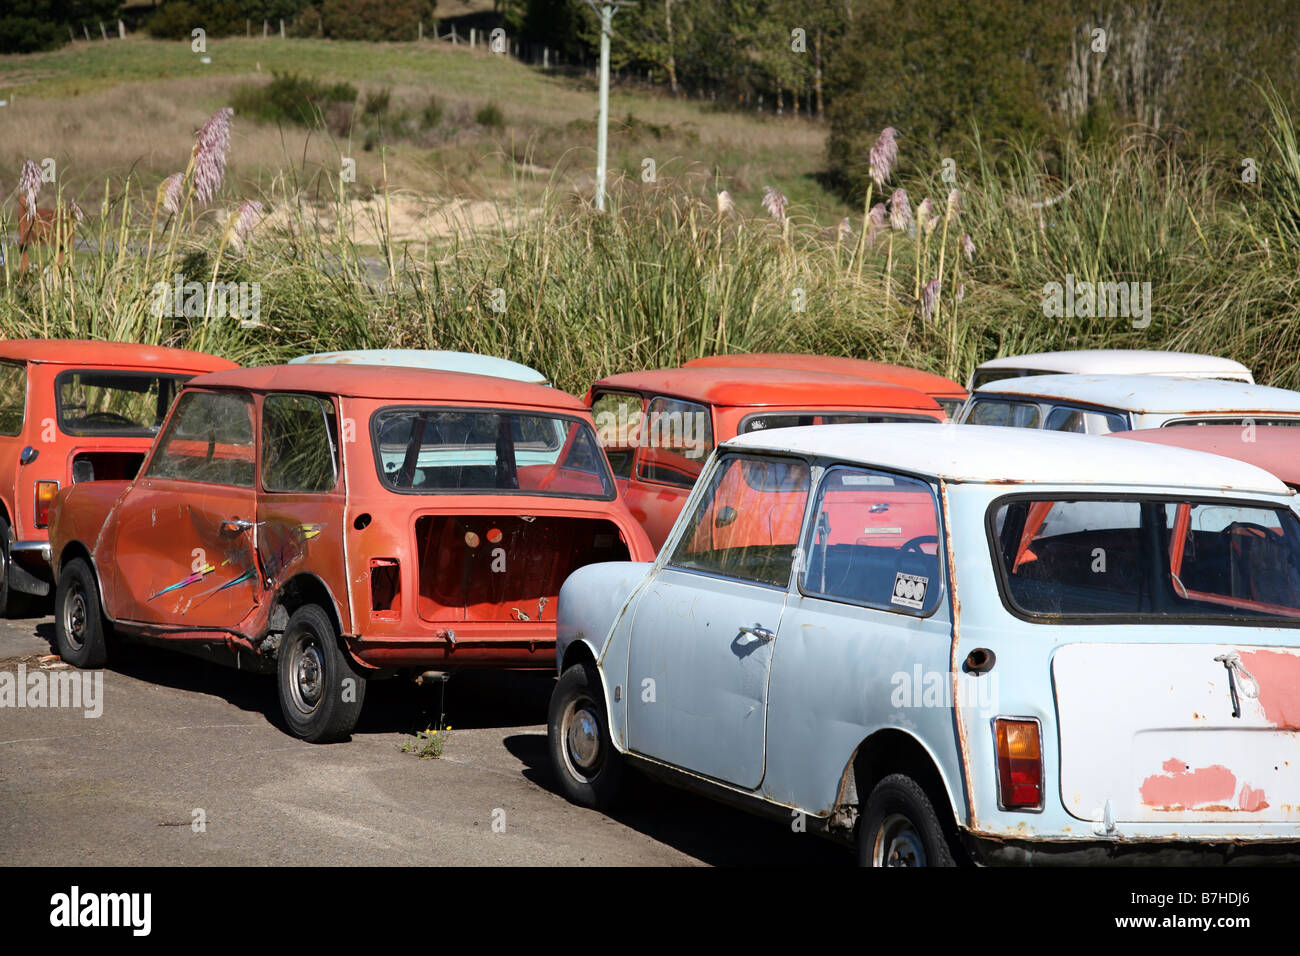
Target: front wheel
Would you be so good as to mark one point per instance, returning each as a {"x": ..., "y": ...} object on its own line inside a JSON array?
[
  {"x": 320, "y": 693},
  {"x": 586, "y": 763},
  {"x": 79, "y": 626},
  {"x": 900, "y": 828}
]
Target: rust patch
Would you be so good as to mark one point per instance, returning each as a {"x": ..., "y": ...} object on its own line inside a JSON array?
[
  {"x": 1278, "y": 676},
  {"x": 1208, "y": 789}
]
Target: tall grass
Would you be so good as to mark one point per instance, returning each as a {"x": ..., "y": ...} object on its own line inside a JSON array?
[{"x": 664, "y": 276}]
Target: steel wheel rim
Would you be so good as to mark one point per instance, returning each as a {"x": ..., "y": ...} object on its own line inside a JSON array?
[
  {"x": 898, "y": 843},
  {"x": 582, "y": 744},
  {"x": 74, "y": 616},
  {"x": 306, "y": 673}
]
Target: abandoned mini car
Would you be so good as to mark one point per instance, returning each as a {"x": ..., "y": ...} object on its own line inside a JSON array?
[
  {"x": 73, "y": 411},
  {"x": 342, "y": 527},
  {"x": 982, "y": 644}
]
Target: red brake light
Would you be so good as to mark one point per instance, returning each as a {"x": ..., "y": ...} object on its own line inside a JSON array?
[
  {"x": 45, "y": 492},
  {"x": 1020, "y": 763}
]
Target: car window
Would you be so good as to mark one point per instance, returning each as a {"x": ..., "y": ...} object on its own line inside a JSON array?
[
  {"x": 299, "y": 444},
  {"x": 791, "y": 419},
  {"x": 472, "y": 450},
  {"x": 874, "y": 540},
  {"x": 13, "y": 398},
  {"x": 110, "y": 402},
  {"x": 987, "y": 411},
  {"x": 676, "y": 438},
  {"x": 985, "y": 375},
  {"x": 1149, "y": 558},
  {"x": 1238, "y": 420},
  {"x": 208, "y": 438},
  {"x": 747, "y": 524},
  {"x": 1065, "y": 419},
  {"x": 618, "y": 422}
]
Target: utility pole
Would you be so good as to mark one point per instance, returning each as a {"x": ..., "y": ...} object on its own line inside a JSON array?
[{"x": 606, "y": 13}]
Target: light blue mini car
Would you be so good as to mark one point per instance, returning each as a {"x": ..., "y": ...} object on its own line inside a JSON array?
[
  {"x": 956, "y": 644},
  {"x": 470, "y": 362}
]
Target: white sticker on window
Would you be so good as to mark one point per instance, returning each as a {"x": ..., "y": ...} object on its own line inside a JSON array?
[{"x": 909, "y": 590}]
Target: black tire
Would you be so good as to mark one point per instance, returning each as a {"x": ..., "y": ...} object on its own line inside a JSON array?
[
  {"x": 79, "y": 625},
  {"x": 588, "y": 767},
  {"x": 313, "y": 674},
  {"x": 11, "y": 601},
  {"x": 899, "y": 827}
]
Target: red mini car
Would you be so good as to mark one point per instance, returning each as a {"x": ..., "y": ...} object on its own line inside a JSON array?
[
  {"x": 950, "y": 395},
  {"x": 342, "y": 524},
  {"x": 73, "y": 411},
  {"x": 1275, "y": 448},
  {"x": 658, "y": 427}
]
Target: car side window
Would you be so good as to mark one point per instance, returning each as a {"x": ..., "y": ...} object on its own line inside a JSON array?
[
  {"x": 13, "y": 398},
  {"x": 618, "y": 420},
  {"x": 747, "y": 524},
  {"x": 1062, "y": 418},
  {"x": 998, "y": 412},
  {"x": 299, "y": 444},
  {"x": 874, "y": 541},
  {"x": 209, "y": 438},
  {"x": 676, "y": 438}
]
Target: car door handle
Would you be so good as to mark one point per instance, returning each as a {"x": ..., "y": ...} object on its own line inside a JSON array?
[
  {"x": 759, "y": 633},
  {"x": 235, "y": 525}
]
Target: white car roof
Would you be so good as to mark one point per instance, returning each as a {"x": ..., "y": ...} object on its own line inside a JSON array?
[
  {"x": 1121, "y": 362},
  {"x": 430, "y": 359},
  {"x": 988, "y": 454},
  {"x": 1152, "y": 393}
]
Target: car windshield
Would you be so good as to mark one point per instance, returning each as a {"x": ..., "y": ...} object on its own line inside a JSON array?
[
  {"x": 431, "y": 450},
  {"x": 1156, "y": 559},
  {"x": 789, "y": 419},
  {"x": 108, "y": 402}
]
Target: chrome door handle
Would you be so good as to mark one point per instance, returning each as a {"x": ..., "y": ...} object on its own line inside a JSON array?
[
  {"x": 236, "y": 525},
  {"x": 759, "y": 632}
]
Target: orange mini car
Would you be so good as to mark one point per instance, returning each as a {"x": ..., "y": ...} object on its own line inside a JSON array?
[
  {"x": 949, "y": 394},
  {"x": 658, "y": 427},
  {"x": 73, "y": 411},
  {"x": 344, "y": 524}
]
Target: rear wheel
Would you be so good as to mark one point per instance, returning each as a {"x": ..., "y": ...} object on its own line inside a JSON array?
[
  {"x": 320, "y": 692},
  {"x": 899, "y": 827},
  {"x": 10, "y": 600},
  {"x": 586, "y": 763},
  {"x": 79, "y": 626}
]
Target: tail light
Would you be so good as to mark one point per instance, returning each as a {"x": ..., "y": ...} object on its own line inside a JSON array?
[
  {"x": 1020, "y": 764},
  {"x": 45, "y": 492}
]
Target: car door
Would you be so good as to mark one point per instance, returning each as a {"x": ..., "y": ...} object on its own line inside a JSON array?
[
  {"x": 186, "y": 537},
  {"x": 705, "y": 630}
]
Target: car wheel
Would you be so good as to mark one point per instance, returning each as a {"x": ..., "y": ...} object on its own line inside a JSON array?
[
  {"x": 320, "y": 692},
  {"x": 79, "y": 625},
  {"x": 588, "y": 766},
  {"x": 900, "y": 828}
]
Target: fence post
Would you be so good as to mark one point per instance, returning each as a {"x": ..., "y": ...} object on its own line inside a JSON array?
[
  {"x": 102, "y": 31},
  {"x": 419, "y": 32},
  {"x": 248, "y": 27},
  {"x": 454, "y": 41},
  {"x": 266, "y": 29},
  {"x": 121, "y": 30},
  {"x": 473, "y": 37},
  {"x": 281, "y": 28}
]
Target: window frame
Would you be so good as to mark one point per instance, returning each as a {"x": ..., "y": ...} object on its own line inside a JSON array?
[
  {"x": 537, "y": 412},
  {"x": 648, "y": 399},
  {"x": 633, "y": 450},
  {"x": 895, "y": 417},
  {"x": 1001, "y": 573},
  {"x": 1004, "y": 399},
  {"x": 146, "y": 467},
  {"x": 330, "y": 434},
  {"x": 178, "y": 378},
  {"x": 1054, "y": 406},
  {"x": 805, "y": 541},
  {"x": 697, "y": 494},
  {"x": 23, "y": 368}
]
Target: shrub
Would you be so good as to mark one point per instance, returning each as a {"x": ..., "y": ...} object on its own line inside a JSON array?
[
  {"x": 490, "y": 116},
  {"x": 374, "y": 19},
  {"x": 290, "y": 98},
  {"x": 432, "y": 113}
]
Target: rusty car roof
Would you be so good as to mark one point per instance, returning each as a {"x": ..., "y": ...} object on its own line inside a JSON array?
[
  {"x": 88, "y": 352},
  {"x": 927, "y": 382},
  {"x": 997, "y": 455},
  {"x": 1275, "y": 448},
  {"x": 388, "y": 382},
  {"x": 768, "y": 387}
]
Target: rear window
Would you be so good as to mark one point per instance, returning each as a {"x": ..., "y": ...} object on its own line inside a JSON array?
[
  {"x": 109, "y": 402},
  {"x": 1085, "y": 421},
  {"x": 13, "y": 398},
  {"x": 765, "y": 420},
  {"x": 1153, "y": 559},
  {"x": 986, "y": 375},
  {"x": 476, "y": 451},
  {"x": 987, "y": 411}
]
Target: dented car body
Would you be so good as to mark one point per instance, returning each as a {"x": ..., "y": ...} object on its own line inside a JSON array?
[
  {"x": 957, "y": 644},
  {"x": 74, "y": 411},
  {"x": 344, "y": 526}
]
